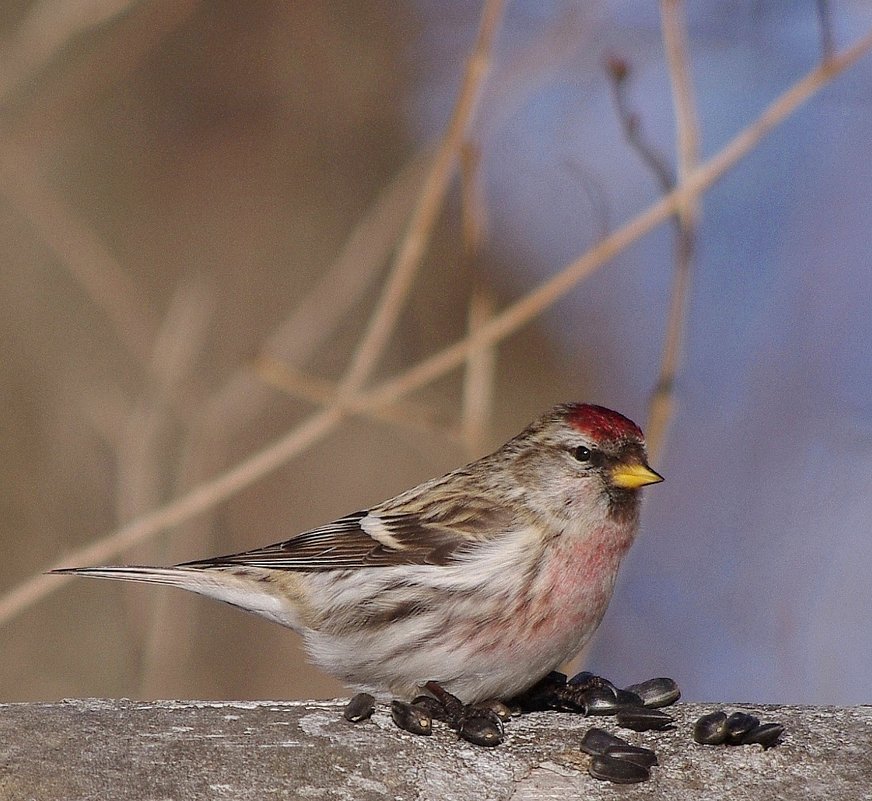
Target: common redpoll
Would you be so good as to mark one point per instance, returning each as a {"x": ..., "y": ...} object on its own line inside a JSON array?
[{"x": 479, "y": 583}]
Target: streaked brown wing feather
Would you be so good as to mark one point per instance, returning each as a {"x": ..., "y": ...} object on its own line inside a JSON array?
[{"x": 430, "y": 535}]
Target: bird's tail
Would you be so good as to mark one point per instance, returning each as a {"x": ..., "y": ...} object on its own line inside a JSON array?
[
  {"x": 171, "y": 576},
  {"x": 240, "y": 587}
]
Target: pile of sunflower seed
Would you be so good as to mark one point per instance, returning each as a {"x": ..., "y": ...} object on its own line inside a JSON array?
[
  {"x": 613, "y": 759},
  {"x": 740, "y": 728},
  {"x": 638, "y": 708}
]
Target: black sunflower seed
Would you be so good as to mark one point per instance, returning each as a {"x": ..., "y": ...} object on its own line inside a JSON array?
[
  {"x": 656, "y": 693},
  {"x": 618, "y": 771},
  {"x": 738, "y": 725},
  {"x": 359, "y": 708},
  {"x": 766, "y": 734},
  {"x": 596, "y": 741},
  {"x": 633, "y": 753},
  {"x": 641, "y": 718},
  {"x": 711, "y": 729},
  {"x": 411, "y": 718},
  {"x": 482, "y": 726}
]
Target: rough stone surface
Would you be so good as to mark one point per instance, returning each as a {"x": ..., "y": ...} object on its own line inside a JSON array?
[{"x": 93, "y": 749}]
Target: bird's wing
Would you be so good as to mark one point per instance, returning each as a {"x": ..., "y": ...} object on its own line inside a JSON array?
[{"x": 434, "y": 533}]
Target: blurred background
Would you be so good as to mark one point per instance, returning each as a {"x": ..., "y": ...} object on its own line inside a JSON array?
[{"x": 200, "y": 204}]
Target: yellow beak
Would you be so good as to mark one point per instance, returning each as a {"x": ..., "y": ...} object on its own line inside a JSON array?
[{"x": 634, "y": 475}]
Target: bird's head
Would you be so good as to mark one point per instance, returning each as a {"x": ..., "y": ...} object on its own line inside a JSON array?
[{"x": 579, "y": 458}]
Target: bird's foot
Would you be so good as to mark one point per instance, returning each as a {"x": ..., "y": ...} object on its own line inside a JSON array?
[
  {"x": 551, "y": 692},
  {"x": 588, "y": 694},
  {"x": 481, "y": 724}
]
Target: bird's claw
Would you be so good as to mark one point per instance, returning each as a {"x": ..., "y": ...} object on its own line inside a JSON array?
[{"x": 476, "y": 723}]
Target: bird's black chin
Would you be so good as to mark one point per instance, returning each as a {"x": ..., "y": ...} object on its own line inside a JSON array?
[{"x": 623, "y": 504}]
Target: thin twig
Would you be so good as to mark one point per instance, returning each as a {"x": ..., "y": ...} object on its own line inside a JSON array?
[
  {"x": 47, "y": 29},
  {"x": 80, "y": 252},
  {"x": 133, "y": 35},
  {"x": 414, "y": 416},
  {"x": 478, "y": 379},
  {"x": 427, "y": 208},
  {"x": 318, "y": 425},
  {"x": 825, "y": 21},
  {"x": 662, "y": 403},
  {"x": 618, "y": 71},
  {"x": 677, "y": 47}
]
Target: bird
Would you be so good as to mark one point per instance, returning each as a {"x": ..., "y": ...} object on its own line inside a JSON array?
[{"x": 480, "y": 582}]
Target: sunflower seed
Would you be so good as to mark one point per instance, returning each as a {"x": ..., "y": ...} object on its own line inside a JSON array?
[
  {"x": 618, "y": 771},
  {"x": 640, "y": 718},
  {"x": 766, "y": 734},
  {"x": 359, "y": 708},
  {"x": 596, "y": 741},
  {"x": 711, "y": 729},
  {"x": 411, "y": 718},
  {"x": 656, "y": 693}
]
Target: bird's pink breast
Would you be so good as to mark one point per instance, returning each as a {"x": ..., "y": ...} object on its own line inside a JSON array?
[
  {"x": 565, "y": 603},
  {"x": 578, "y": 580}
]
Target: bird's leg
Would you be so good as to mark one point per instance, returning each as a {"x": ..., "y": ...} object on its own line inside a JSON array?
[
  {"x": 478, "y": 724},
  {"x": 481, "y": 725},
  {"x": 451, "y": 707},
  {"x": 550, "y": 692},
  {"x": 585, "y": 693}
]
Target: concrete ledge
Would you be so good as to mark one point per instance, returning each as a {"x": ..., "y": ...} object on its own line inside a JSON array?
[{"x": 94, "y": 749}]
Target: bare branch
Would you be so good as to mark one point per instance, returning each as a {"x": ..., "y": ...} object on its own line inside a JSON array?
[
  {"x": 618, "y": 70},
  {"x": 825, "y": 20},
  {"x": 704, "y": 176},
  {"x": 675, "y": 41},
  {"x": 80, "y": 252},
  {"x": 478, "y": 381},
  {"x": 320, "y": 391},
  {"x": 429, "y": 204}
]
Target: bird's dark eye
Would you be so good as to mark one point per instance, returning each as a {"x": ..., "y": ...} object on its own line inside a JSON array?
[{"x": 582, "y": 454}]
